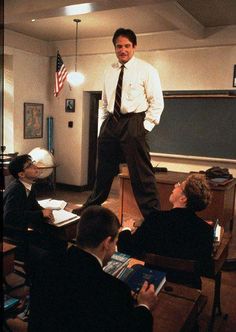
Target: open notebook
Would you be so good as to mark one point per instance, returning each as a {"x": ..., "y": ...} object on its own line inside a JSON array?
[
  {"x": 54, "y": 204},
  {"x": 61, "y": 216}
]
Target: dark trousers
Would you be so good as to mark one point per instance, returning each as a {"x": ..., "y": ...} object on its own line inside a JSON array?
[{"x": 121, "y": 141}]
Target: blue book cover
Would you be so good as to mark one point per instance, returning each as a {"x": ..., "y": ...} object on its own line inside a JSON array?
[
  {"x": 116, "y": 263},
  {"x": 10, "y": 302},
  {"x": 135, "y": 276}
]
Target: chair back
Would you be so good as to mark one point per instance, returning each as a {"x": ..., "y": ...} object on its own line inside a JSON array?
[
  {"x": 171, "y": 263},
  {"x": 182, "y": 271}
]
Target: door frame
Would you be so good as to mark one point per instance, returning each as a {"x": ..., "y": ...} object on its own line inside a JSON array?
[{"x": 95, "y": 96}]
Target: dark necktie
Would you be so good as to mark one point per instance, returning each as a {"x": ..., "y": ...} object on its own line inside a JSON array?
[{"x": 117, "y": 104}]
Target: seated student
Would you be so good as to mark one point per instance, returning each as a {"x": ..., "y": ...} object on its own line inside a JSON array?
[
  {"x": 79, "y": 295},
  {"x": 178, "y": 232},
  {"x": 21, "y": 209},
  {"x": 99, "y": 301}
]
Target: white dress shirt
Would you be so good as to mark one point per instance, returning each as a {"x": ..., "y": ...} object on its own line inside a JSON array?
[
  {"x": 141, "y": 91},
  {"x": 27, "y": 186}
]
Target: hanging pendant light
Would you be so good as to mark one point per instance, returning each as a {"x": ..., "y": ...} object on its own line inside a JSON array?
[{"x": 75, "y": 78}]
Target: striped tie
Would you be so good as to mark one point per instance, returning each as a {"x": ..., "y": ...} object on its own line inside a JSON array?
[{"x": 117, "y": 105}]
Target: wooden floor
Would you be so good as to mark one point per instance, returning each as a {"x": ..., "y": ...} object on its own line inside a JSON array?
[{"x": 228, "y": 289}]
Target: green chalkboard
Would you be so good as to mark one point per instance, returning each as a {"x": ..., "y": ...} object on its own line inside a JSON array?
[{"x": 201, "y": 125}]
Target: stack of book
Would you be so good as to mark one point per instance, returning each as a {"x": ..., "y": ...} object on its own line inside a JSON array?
[
  {"x": 117, "y": 262},
  {"x": 10, "y": 302},
  {"x": 134, "y": 276}
]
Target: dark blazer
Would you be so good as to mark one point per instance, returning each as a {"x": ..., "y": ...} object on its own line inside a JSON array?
[
  {"x": 72, "y": 293},
  {"x": 97, "y": 301},
  {"x": 20, "y": 210},
  {"x": 176, "y": 233}
]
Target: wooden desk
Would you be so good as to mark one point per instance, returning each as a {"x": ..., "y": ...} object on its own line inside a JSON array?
[
  {"x": 8, "y": 253},
  {"x": 221, "y": 207},
  {"x": 214, "y": 273},
  {"x": 67, "y": 230},
  {"x": 176, "y": 310}
]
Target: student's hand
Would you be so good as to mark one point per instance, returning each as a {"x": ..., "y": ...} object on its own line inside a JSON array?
[
  {"x": 47, "y": 213},
  {"x": 210, "y": 222},
  {"x": 147, "y": 295}
]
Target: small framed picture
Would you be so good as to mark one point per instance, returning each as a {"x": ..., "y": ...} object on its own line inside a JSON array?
[
  {"x": 70, "y": 105},
  {"x": 33, "y": 120},
  {"x": 234, "y": 77}
]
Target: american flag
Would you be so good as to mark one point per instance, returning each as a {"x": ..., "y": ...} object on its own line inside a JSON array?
[{"x": 60, "y": 75}]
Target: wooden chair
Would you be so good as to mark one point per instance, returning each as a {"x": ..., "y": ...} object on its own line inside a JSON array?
[
  {"x": 18, "y": 238},
  {"x": 191, "y": 266},
  {"x": 181, "y": 266}
]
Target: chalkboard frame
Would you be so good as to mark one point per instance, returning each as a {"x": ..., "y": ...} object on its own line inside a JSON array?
[{"x": 192, "y": 94}]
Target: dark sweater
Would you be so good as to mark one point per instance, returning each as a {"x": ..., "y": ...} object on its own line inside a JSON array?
[
  {"x": 176, "y": 233},
  {"x": 80, "y": 296},
  {"x": 20, "y": 210}
]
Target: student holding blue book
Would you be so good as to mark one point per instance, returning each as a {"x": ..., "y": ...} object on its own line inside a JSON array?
[{"x": 87, "y": 299}]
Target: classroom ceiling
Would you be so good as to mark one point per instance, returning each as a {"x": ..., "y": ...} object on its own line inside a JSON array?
[{"x": 100, "y": 18}]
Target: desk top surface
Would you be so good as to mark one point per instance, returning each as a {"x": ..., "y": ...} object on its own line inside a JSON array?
[
  {"x": 171, "y": 177},
  {"x": 175, "y": 305},
  {"x": 175, "y": 309}
]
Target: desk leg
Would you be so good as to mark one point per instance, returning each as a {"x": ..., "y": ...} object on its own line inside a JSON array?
[
  {"x": 217, "y": 293},
  {"x": 216, "y": 309}
]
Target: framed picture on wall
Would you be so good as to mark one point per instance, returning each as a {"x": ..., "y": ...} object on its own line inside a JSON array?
[
  {"x": 234, "y": 77},
  {"x": 70, "y": 105},
  {"x": 33, "y": 120}
]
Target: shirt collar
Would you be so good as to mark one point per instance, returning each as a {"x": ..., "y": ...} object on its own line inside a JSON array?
[
  {"x": 130, "y": 63},
  {"x": 99, "y": 260},
  {"x": 27, "y": 185},
  {"x": 127, "y": 64}
]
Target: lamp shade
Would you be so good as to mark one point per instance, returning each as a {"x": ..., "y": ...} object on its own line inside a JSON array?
[{"x": 75, "y": 78}]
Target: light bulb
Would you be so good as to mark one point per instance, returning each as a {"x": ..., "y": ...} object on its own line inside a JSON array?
[{"x": 75, "y": 78}]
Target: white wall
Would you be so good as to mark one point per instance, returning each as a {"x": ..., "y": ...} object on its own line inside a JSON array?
[
  {"x": 71, "y": 144},
  {"x": 30, "y": 83},
  {"x": 194, "y": 69},
  {"x": 8, "y": 103},
  {"x": 190, "y": 66}
]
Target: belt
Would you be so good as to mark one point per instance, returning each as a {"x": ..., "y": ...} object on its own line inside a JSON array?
[{"x": 129, "y": 115}]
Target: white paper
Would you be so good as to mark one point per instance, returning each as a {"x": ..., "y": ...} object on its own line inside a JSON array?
[
  {"x": 218, "y": 232},
  {"x": 63, "y": 215},
  {"x": 53, "y": 204}
]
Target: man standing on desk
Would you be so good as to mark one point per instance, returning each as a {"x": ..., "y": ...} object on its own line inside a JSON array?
[{"x": 132, "y": 105}]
